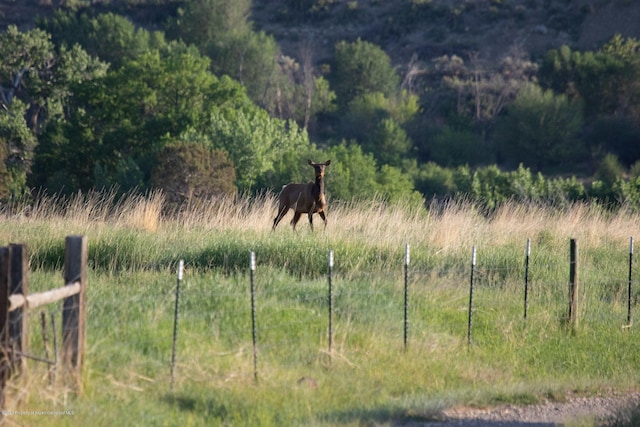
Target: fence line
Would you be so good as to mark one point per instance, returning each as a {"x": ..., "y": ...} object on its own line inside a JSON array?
[
  {"x": 335, "y": 297},
  {"x": 478, "y": 275}
]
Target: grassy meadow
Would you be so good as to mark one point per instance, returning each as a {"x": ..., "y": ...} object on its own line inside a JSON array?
[{"x": 368, "y": 377}]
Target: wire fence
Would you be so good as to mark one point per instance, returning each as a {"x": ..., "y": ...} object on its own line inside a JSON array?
[
  {"x": 328, "y": 315},
  {"x": 268, "y": 315}
]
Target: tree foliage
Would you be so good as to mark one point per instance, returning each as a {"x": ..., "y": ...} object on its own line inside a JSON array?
[
  {"x": 190, "y": 172},
  {"x": 362, "y": 67},
  {"x": 119, "y": 122},
  {"x": 222, "y": 31},
  {"x": 540, "y": 129},
  {"x": 36, "y": 83},
  {"x": 606, "y": 79},
  {"x": 255, "y": 142},
  {"x": 89, "y": 100},
  {"x": 489, "y": 187},
  {"x": 112, "y": 38},
  {"x": 454, "y": 147},
  {"x": 207, "y": 23},
  {"x": 17, "y": 144},
  {"x": 355, "y": 174},
  {"x": 376, "y": 122}
]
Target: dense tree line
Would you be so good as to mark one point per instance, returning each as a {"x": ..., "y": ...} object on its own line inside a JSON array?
[{"x": 208, "y": 106}]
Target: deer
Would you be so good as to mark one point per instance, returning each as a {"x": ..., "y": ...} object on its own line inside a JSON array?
[{"x": 304, "y": 198}]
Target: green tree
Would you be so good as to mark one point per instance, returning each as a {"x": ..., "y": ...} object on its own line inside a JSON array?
[
  {"x": 452, "y": 147},
  {"x": 394, "y": 185},
  {"x": 190, "y": 172},
  {"x": 389, "y": 142},
  {"x": 36, "y": 82},
  {"x": 359, "y": 68},
  {"x": 252, "y": 59},
  {"x": 117, "y": 124},
  {"x": 221, "y": 30},
  {"x": 376, "y": 122},
  {"x": 287, "y": 89},
  {"x": 211, "y": 22},
  {"x": 323, "y": 100},
  {"x": 111, "y": 37},
  {"x": 33, "y": 71},
  {"x": 5, "y": 177},
  {"x": 433, "y": 180},
  {"x": 17, "y": 144},
  {"x": 540, "y": 129},
  {"x": 254, "y": 141},
  {"x": 355, "y": 174},
  {"x": 352, "y": 174},
  {"x": 606, "y": 79},
  {"x": 609, "y": 170}
]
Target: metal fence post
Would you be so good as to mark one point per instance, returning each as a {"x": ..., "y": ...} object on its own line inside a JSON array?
[
  {"x": 630, "y": 281},
  {"x": 473, "y": 268},
  {"x": 254, "y": 334},
  {"x": 330, "y": 301},
  {"x": 175, "y": 320},
  {"x": 526, "y": 278},
  {"x": 573, "y": 283},
  {"x": 406, "y": 295}
]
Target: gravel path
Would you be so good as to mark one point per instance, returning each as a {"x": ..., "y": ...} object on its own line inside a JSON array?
[{"x": 603, "y": 409}]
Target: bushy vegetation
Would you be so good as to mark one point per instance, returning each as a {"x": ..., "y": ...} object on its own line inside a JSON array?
[
  {"x": 90, "y": 98},
  {"x": 368, "y": 377}
]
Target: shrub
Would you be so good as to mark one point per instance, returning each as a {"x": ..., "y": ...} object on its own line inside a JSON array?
[
  {"x": 190, "y": 171},
  {"x": 609, "y": 170}
]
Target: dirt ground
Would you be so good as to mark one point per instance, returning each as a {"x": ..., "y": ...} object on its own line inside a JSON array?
[{"x": 604, "y": 410}]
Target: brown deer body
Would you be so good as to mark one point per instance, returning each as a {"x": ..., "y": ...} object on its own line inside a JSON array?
[{"x": 304, "y": 198}]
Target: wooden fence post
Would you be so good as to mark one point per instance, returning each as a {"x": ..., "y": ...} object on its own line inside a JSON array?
[
  {"x": 73, "y": 314},
  {"x": 18, "y": 327},
  {"x": 5, "y": 279},
  {"x": 573, "y": 284}
]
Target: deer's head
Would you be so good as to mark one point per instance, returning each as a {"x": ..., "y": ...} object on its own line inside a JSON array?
[{"x": 319, "y": 167}]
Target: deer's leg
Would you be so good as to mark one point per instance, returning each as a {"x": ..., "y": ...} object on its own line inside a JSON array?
[
  {"x": 324, "y": 218},
  {"x": 311, "y": 220},
  {"x": 296, "y": 218},
  {"x": 282, "y": 211}
]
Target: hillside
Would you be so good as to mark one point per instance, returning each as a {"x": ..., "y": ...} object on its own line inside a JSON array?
[
  {"x": 406, "y": 28},
  {"x": 428, "y": 29}
]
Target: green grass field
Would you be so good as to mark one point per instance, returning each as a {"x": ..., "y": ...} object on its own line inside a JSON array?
[{"x": 368, "y": 377}]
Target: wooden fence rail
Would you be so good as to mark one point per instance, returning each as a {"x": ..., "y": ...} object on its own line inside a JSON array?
[
  {"x": 36, "y": 300},
  {"x": 15, "y": 302}
]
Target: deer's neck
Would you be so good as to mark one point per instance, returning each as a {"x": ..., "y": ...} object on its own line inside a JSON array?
[{"x": 318, "y": 187}]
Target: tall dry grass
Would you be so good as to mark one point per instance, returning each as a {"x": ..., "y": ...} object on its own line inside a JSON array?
[
  {"x": 92, "y": 209},
  {"x": 446, "y": 228}
]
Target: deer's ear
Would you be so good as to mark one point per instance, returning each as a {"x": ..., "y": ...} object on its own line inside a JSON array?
[{"x": 327, "y": 163}]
